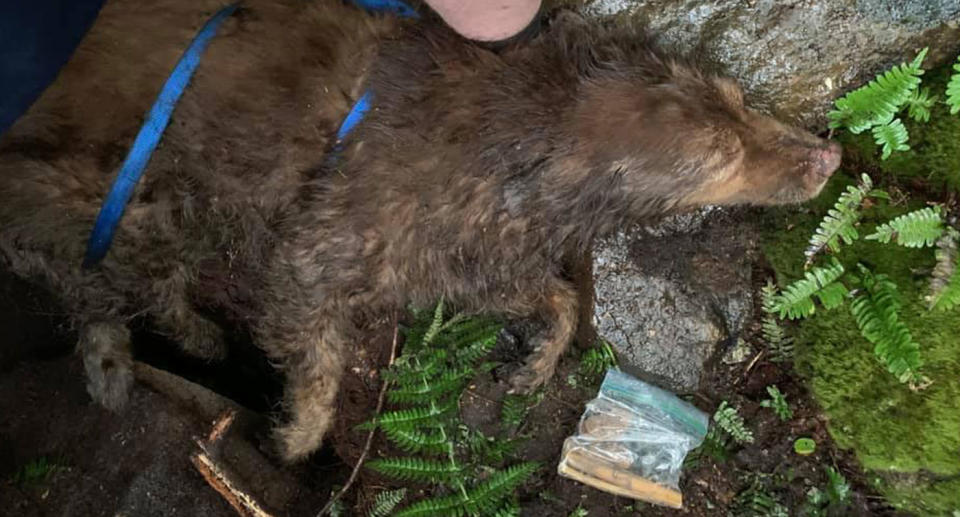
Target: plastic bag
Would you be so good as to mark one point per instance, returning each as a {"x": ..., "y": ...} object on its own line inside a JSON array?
[{"x": 632, "y": 439}]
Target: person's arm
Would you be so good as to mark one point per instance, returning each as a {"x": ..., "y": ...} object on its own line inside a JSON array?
[{"x": 486, "y": 20}]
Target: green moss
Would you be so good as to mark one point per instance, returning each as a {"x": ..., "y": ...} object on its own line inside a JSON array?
[
  {"x": 934, "y": 154},
  {"x": 893, "y": 430},
  {"x": 921, "y": 496}
]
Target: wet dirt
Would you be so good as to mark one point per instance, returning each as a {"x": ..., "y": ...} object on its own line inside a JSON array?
[{"x": 136, "y": 462}]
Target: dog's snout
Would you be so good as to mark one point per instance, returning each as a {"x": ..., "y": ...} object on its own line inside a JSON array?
[{"x": 827, "y": 160}]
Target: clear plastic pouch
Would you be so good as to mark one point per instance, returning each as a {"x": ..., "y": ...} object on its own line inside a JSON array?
[{"x": 632, "y": 439}]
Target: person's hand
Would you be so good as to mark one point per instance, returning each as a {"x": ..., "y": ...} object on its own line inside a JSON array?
[{"x": 486, "y": 20}]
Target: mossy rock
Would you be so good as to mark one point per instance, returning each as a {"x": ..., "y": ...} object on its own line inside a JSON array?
[{"x": 909, "y": 441}]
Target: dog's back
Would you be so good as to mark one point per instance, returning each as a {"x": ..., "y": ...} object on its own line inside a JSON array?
[
  {"x": 255, "y": 119},
  {"x": 254, "y": 122}
]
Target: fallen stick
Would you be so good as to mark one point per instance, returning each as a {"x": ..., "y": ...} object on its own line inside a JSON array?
[
  {"x": 207, "y": 403},
  {"x": 366, "y": 447},
  {"x": 244, "y": 505},
  {"x": 215, "y": 476}
]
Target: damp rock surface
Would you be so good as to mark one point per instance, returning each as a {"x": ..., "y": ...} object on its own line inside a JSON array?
[
  {"x": 669, "y": 296},
  {"x": 796, "y": 56}
]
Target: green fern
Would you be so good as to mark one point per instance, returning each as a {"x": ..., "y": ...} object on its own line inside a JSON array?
[
  {"x": 840, "y": 223},
  {"x": 418, "y": 416},
  {"x": 385, "y": 502},
  {"x": 945, "y": 282},
  {"x": 439, "y": 359},
  {"x": 778, "y": 403},
  {"x": 953, "y": 89},
  {"x": 778, "y": 343},
  {"x": 510, "y": 509},
  {"x": 413, "y": 440},
  {"x": 920, "y": 103},
  {"x": 875, "y": 310},
  {"x": 484, "y": 499},
  {"x": 756, "y": 501},
  {"x": 488, "y": 448},
  {"x": 730, "y": 422},
  {"x": 892, "y": 136},
  {"x": 515, "y": 408},
  {"x": 877, "y": 103},
  {"x": 443, "y": 384},
  {"x": 916, "y": 229},
  {"x": 797, "y": 300},
  {"x": 597, "y": 359},
  {"x": 417, "y": 469}
]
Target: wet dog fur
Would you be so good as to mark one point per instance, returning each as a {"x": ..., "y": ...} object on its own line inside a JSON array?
[{"x": 476, "y": 175}]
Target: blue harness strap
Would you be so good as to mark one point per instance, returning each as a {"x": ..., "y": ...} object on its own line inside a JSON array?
[
  {"x": 159, "y": 116},
  {"x": 147, "y": 140}
]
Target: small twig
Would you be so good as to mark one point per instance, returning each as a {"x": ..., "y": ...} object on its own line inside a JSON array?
[
  {"x": 221, "y": 425},
  {"x": 215, "y": 476},
  {"x": 752, "y": 363},
  {"x": 564, "y": 402},
  {"x": 366, "y": 447}
]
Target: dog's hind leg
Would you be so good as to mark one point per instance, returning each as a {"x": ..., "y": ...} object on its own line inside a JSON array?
[
  {"x": 313, "y": 381},
  {"x": 310, "y": 346},
  {"x": 105, "y": 348},
  {"x": 557, "y": 306}
]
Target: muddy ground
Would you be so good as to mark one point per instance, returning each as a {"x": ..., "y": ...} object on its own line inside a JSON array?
[{"x": 62, "y": 455}]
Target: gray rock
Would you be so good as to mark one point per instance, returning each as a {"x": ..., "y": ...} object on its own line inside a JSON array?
[
  {"x": 795, "y": 56},
  {"x": 666, "y": 297},
  {"x": 738, "y": 353}
]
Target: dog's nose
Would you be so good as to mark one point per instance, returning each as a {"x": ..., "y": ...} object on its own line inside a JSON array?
[{"x": 827, "y": 160}]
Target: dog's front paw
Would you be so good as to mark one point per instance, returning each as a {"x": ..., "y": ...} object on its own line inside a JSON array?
[
  {"x": 109, "y": 381},
  {"x": 105, "y": 347}
]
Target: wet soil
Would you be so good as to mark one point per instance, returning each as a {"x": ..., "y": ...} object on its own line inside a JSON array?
[{"x": 136, "y": 462}]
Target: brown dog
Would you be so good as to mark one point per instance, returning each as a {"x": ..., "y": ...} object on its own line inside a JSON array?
[{"x": 475, "y": 174}]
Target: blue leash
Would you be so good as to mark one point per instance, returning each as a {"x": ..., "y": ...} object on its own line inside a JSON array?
[
  {"x": 159, "y": 116},
  {"x": 147, "y": 140}
]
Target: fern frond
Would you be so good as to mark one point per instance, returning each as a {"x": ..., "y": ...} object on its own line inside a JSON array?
[
  {"x": 487, "y": 496},
  {"x": 385, "y": 502},
  {"x": 484, "y": 499},
  {"x": 796, "y": 301},
  {"x": 945, "y": 284},
  {"x": 434, "y": 327},
  {"x": 417, "y": 416},
  {"x": 778, "y": 343},
  {"x": 490, "y": 449},
  {"x": 914, "y": 230},
  {"x": 778, "y": 403},
  {"x": 597, "y": 359},
  {"x": 892, "y": 136},
  {"x": 511, "y": 509},
  {"x": 447, "y": 382},
  {"x": 417, "y": 469},
  {"x": 875, "y": 310},
  {"x": 840, "y": 223},
  {"x": 513, "y": 411},
  {"x": 412, "y": 440},
  {"x": 838, "y": 490},
  {"x": 880, "y": 100},
  {"x": 953, "y": 89},
  {"x": 473, "y": 341},
  {"x": 920, "y": 103},
  {"x": 730, "y": 421}
]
